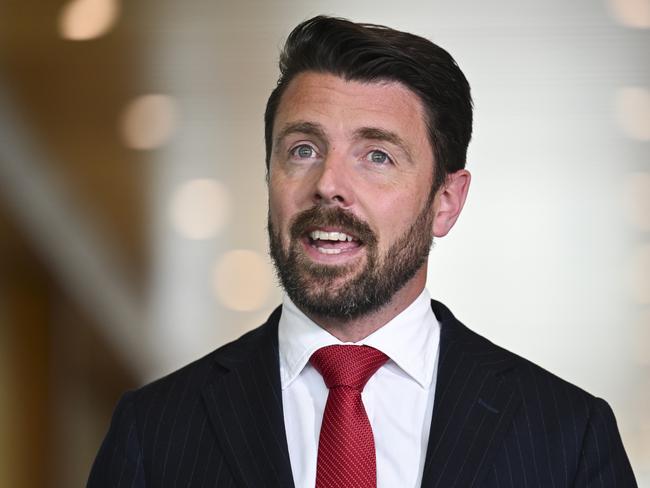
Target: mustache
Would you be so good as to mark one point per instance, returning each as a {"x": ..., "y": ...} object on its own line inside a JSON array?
[{"x": 319, "y": 216}]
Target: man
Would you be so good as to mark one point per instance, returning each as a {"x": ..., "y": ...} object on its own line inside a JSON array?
[{"x": 359, "y": 379}]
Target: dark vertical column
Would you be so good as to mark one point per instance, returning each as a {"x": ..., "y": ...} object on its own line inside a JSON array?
[{"x": 26, "y": 333}]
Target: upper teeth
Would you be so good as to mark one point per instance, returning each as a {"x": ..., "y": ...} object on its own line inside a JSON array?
[{"x": 329, "y": 236}]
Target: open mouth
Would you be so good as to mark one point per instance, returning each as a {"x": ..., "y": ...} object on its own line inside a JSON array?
[{"x": 332, "y": 241}]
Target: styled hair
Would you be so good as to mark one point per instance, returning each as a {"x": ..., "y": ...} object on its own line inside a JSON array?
[{"x": 374, "y": 53}]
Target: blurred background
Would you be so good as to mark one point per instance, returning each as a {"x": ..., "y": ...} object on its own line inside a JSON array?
[{"x": 133, "y": 201}]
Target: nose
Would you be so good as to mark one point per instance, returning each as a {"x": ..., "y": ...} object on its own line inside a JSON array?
[{"x": 333, "y": 184}]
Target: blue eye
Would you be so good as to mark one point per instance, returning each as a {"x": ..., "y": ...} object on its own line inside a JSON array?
[
  {"x": 378, "y": 157},
  {"x": 303, "y": 151}
]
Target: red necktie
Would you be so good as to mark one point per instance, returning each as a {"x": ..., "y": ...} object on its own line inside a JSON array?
[{"x": 346, "y": 449}]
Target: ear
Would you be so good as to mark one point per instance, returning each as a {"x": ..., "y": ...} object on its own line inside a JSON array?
[{"x": 449, "y": 201}]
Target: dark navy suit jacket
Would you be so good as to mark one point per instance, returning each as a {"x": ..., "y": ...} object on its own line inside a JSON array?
[{"x": 498, "y": 421}]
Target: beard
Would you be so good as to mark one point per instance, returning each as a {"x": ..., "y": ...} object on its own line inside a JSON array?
[{"x": 321, "y": 289}]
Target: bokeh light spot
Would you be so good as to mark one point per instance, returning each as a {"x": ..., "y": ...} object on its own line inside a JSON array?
[
  {"x": 631, "y": 13},
  {"x": 148, "y": 121},
  {"x": 81, "y": 20},
  {"x": 242, "y": 280},
  {"x": 199, "y": 208}
]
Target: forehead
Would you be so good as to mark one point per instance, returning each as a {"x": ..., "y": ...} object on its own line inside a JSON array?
[{"x": 346, "y": 105}]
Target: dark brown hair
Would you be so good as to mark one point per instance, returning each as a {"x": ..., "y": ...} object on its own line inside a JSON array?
[{"x": 368, "y": 53}]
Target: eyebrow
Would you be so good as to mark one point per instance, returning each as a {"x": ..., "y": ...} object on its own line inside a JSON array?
[
  {"x": 377, "y": 134},
  {"x": 314, "y": 129},
  {"x": 301, "y": 127}
]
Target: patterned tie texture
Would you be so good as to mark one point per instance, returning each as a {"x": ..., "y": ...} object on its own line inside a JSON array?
[{"x": 346, "y": 448}]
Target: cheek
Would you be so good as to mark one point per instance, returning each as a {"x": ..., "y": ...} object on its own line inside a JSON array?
[
  {"x": 393, "y": 218},
  {"x": 279, "y": 214},
  {"x": 286, "y": 199},
  {"x": 275, "y": 215}
]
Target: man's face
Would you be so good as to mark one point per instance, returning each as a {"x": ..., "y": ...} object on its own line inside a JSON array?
[{"x": 350, "y": 203}]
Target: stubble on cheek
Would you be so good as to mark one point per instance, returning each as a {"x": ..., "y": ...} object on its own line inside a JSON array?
[{"x": 353, "y": 290}]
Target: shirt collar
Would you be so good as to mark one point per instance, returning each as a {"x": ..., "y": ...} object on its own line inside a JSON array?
[{"x": 410, "y": 340}]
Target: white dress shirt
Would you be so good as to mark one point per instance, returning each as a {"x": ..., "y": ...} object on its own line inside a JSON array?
[{"x": 398, "y": 397}]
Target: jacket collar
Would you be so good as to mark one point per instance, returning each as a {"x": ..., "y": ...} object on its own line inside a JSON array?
[
  {"x": 476, "y": 397},
  {"x": 244, "y": 405},
  {"x": 475, "y": 400}
]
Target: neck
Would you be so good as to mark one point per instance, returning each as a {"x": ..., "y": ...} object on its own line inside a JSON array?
[{"x": 356, "y": 329}]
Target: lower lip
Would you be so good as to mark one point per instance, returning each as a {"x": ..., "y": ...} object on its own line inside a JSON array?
[{"x": 339, "y": 258}]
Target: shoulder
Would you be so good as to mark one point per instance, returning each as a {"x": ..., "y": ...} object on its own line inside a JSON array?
[
  {"x": 539, "y": 388},
  {"x": 183, "y": 387},
  {"x": 167, "y": 419},
  {"x": 552, "y": 429}
]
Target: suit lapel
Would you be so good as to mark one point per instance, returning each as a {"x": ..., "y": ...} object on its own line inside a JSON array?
[
  {"x": 245, "y": 408},
  {"x": 474, "y": 404}
]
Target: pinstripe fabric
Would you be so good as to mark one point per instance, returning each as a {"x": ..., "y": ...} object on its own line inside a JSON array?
[
  {"x": 498, "y": 421},
  {"x": 501, "y": 421},
  {"x": 215, "y": 423}
]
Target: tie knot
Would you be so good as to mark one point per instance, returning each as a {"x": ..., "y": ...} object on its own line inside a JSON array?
[{"x": 350, "y": 366}]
